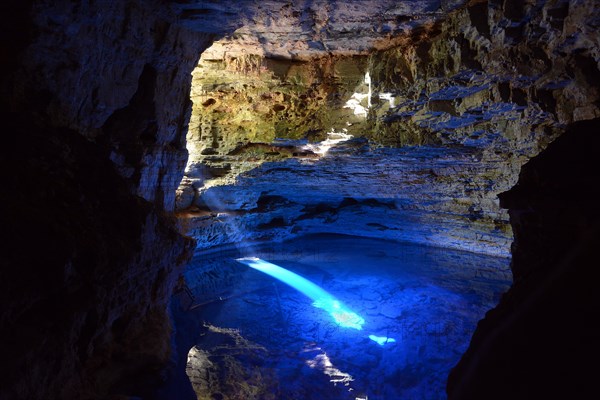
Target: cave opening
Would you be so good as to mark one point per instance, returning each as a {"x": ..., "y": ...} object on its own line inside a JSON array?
[
  {"x": 337, "y": 169},
  {"x": 380, "y": 167}
]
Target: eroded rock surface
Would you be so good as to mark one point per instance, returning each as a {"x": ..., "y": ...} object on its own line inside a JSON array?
[
  {"x": 117, "y": 73},
  {"x": 495, "y": 82},
  {"x": 411, "y": 194},
  {"x": 309, "y": 29}
]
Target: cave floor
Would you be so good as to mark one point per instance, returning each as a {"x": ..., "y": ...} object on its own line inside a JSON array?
[{"x": 258, "y": 338}]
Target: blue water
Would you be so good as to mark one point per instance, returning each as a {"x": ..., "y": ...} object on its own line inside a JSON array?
[
  {"x": 419, "y": 304},
  {"x": 342, "y": 316}
]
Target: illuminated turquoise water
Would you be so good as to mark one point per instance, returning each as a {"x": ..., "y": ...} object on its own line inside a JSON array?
[
  {"x": 342, "y": 316},
  {"x": 428, "y": 300}
]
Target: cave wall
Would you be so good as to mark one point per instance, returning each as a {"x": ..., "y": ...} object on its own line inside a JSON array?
[
  {"x": 541, "y": 341},
  {"x": 87, "y": 274},
  {"x": 498, "y": 77},
  {"x": 285, "y": 72},
  {"x": 540, "y": 55},
  {"x": 118, "y": 73},
  {"x": 243, "y": 103},
  {"x": 493, "y": 81},
  {"x": 95, "y": 105},
  {"x": 502, "y": 79},
  {"x": 95, "y": 102}
]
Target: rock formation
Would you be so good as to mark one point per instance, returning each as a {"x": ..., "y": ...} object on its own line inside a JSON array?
[
  {"x": 538, "y": 342},
  {"x": 227, "y": 366},
  {"x": 493, "y": 81},
  {"x": 95, "y": 101},
  {"x": 87, "y": 273}
]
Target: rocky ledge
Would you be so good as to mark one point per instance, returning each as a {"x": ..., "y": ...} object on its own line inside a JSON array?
[
  {"x": 474, "y": 94},
  {"x": 414, "y": 194}
]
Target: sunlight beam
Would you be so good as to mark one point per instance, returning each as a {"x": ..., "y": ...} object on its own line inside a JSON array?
[{"x": 321, "y": 299}]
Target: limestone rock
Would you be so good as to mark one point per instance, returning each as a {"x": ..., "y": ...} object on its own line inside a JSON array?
[
  {"x": 87, "y": 274},
  {"x": 304, "y": 30},
  {"x": 117, "y": 73},
  {"x": 537, "y": 341},
  {"x": 495, "y": 82}
]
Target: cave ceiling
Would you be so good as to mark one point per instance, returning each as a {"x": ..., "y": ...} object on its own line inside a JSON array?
[{"x": 305, "y": 29}]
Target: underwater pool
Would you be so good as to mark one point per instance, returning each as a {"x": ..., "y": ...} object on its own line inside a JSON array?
[{"x": 251, "y": 336}]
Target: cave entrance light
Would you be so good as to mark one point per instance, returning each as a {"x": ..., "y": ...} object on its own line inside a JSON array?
[
  {"x": 354, "y": 103},
  {"x": 321, "y": 298}
]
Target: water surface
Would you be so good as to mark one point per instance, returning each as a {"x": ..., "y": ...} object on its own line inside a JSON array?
[{"x": 266, "y": 340}]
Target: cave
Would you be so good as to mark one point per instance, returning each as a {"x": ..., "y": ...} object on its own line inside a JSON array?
[{"x": 319, "y": 199}]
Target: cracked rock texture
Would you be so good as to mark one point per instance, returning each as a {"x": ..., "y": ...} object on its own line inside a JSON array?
[
  {"x": 118, "y": 73},
  {"x": 309, "y": 29},
  {"x": 408, "y": 194},
  {"x": 226, "y": 366}
]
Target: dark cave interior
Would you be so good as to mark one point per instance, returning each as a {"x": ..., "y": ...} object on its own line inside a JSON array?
[{"x": 133, "y": 129}]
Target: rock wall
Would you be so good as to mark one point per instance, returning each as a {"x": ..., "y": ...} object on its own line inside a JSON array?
[
  {"x": 308, "y": 29},
  {"x": 493, "y": 81},
  {"x": 286, "y": 71},
  {"x": 118, "y": 73},
  {"x": 95, "y": 104},
  {"x": 500, "y": 80},
  {"x": 243, "y": 104},
  {"x": 95, "y": 100},
  {"x": 538, "y": 342},
  {"x": 88, "y": 272}
]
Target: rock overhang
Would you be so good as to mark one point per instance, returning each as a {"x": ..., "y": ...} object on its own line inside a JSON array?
[
  {"x": 438, "y": 75},
  {"x": 304, "y": 30}
]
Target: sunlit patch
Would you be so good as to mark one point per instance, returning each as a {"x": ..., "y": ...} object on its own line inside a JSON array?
[
  {"x": 342, "y": 316},
  {"x": 354, "y": 103},
  {"x": 381, "y": 340},
  {"x": 333, "y": 138},
  {"x": 322, "y": 362},
  {"x": 388, "y": 97},
  {"x": 321, "y": 299}
]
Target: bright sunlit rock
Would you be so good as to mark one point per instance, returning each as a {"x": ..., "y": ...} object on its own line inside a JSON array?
[
  {"x": 356, "y": 100},
  {"x": 381, "y": 340},
  {"x": 333, "y": 138}
]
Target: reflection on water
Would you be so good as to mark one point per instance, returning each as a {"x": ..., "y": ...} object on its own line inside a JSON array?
[{"x": 420, "y": 306}]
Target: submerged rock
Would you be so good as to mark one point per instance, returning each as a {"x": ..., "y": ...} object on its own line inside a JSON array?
[{"x": 228, "y": 367}]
